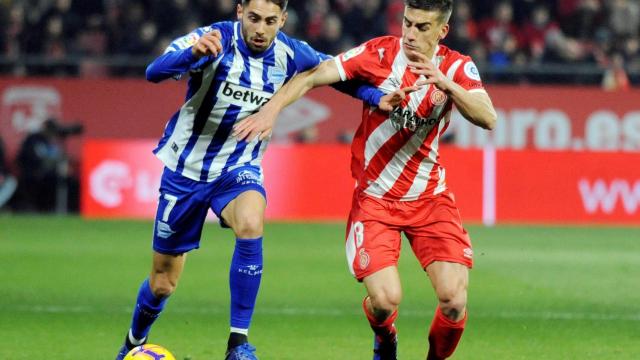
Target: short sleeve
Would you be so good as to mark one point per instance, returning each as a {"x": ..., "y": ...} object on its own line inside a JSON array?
[
  {"x": 305, "y": 57},
  {"x": 360, "y": 62},
  {"x": 187, "y": 41},
  {"x": 468, "y": 76}
]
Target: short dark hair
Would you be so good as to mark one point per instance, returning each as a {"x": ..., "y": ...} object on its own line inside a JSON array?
[
  {"x": 281, "y": 3},
  {"x": 445, "y": 7}
]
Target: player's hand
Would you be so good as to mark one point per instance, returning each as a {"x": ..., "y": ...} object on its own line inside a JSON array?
[
  {"x": 391, "y": 100},
  {"x": 208, "y": 44},
  {"x": 258, "y": 125},
  {"x": 432, "y": 74}
]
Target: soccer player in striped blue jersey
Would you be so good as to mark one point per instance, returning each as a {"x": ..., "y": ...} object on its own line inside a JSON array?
[{"x": 234, "y": 68}]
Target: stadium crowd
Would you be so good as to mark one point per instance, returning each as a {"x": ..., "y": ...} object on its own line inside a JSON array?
[{"x": 72, "y": 34}]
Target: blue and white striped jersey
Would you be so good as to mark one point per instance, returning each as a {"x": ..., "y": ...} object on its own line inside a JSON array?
[{"x": 223, "y": 90}]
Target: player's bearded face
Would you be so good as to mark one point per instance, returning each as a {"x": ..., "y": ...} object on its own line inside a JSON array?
[
  {"x": 422, "y": 30},
  {"x": 261, "y": 20}
]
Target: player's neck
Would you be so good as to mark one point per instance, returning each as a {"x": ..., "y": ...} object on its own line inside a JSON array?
[{"x": 431, "y": 52}]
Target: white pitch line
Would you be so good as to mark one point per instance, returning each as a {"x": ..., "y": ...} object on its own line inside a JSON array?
[{"x": 542, "y": 315}]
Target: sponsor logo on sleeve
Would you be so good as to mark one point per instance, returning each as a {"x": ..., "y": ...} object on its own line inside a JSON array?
[
  {"x": 471, "y": 71},
  {"x": 352, "y": 53},
  {"x": 187, "y": 41}
]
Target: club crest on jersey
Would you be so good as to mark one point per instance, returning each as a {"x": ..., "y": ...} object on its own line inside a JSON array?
[
  {"x": 405, "y": 118},
  {"x": 276, "y": 75},
  {"x": 353, "y": 53},
  {"x": 438, "y": 97}
]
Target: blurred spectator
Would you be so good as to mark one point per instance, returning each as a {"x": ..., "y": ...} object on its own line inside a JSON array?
[
  {"x": 584, "y": 20},
  {"x": 544, "y": 40},
  {"x": 4, "y": 25},
  {"x": 624, "y": 17},
  {"x": 43, "y": 167},
  {"x": 615, "y": 77},
  {"x": 8, "y": 183},
  {"x": 219, "y": 10},
  {"x": 395, "y": 17},
  {"x": 74, "y": 37},
  {"x": 331, "y": 40},
  {"x": 463, "y": 31},
  {"x": 500, "y": 34},
  {"x": 366, "y": 19}
]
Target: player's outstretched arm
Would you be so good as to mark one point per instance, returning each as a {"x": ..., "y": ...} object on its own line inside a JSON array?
[
  {"x": 262, "y": 122},
  {"x": 474, "y": 106},
  {"x": 178, "y": 62}
]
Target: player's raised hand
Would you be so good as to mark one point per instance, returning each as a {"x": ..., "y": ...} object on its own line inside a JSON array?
[
  {"x": 208, "y": 44},
  {"x": 393, "y": 99},
  {"x": 424, "y": 66},
  {"x": 259, "y": 124}
]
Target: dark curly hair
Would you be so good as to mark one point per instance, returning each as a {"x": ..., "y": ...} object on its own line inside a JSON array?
[
  {"x": 445, "y": 7},
  {"x": 281, "y": 3}
]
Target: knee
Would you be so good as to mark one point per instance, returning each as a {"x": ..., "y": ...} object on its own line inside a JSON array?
[
  {"x": 163, "y": 286},
  {"x": 249, "y": 226},
  {"x": 385, "y": 302},
  {"x": 452, "y": 302}
]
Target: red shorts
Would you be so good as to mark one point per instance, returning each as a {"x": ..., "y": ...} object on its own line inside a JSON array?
[{"x": 432, "y": 226}]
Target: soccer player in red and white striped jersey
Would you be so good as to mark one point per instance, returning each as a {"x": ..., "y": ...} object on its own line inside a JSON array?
[{"x": 401, "y": 185}]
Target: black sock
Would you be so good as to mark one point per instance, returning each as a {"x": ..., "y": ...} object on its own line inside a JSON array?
[{"x": 236, "y": 339}]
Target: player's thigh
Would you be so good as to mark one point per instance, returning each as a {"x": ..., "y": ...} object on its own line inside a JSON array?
[
  {"x": 239, "y": 200},
  {"x": 182, "y": 209},
  {"x": 449, "y": 280},
  {"x": 372, "y": 243},
  {"x": 438, "y": 234},
  {"x": 245, "y": 213}
]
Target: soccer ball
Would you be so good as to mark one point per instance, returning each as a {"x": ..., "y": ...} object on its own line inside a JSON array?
[{"x": 149, "y": 352}]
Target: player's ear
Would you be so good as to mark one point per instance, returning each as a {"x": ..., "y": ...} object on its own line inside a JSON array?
[
  {"x": 239, "y": 11},
  {"x": 283, "y": 18},
  {"x": 444, "y": 31}
]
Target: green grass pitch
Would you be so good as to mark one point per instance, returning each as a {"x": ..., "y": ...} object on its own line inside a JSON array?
[{"x": 68, "y": 286}]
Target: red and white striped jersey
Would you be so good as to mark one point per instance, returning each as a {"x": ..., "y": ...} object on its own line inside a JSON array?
[{"x": 395, "y": 155}]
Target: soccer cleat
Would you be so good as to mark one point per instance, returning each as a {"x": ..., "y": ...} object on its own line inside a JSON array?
[
  {"x": 242, "y": 352},
  {"x": 385, "y": 350},
  {"x": 127, "y": 346}
]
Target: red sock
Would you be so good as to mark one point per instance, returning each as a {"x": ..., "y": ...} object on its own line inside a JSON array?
[
  {"x": 385, "y": 329},
  {"x": 444, "y": 335}
]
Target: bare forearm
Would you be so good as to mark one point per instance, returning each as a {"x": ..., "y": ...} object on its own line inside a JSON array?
[
  {"x": 291, "y": 91},
  {"x": 262, "y": 122},
  {"x": 474, "y": 106}
]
